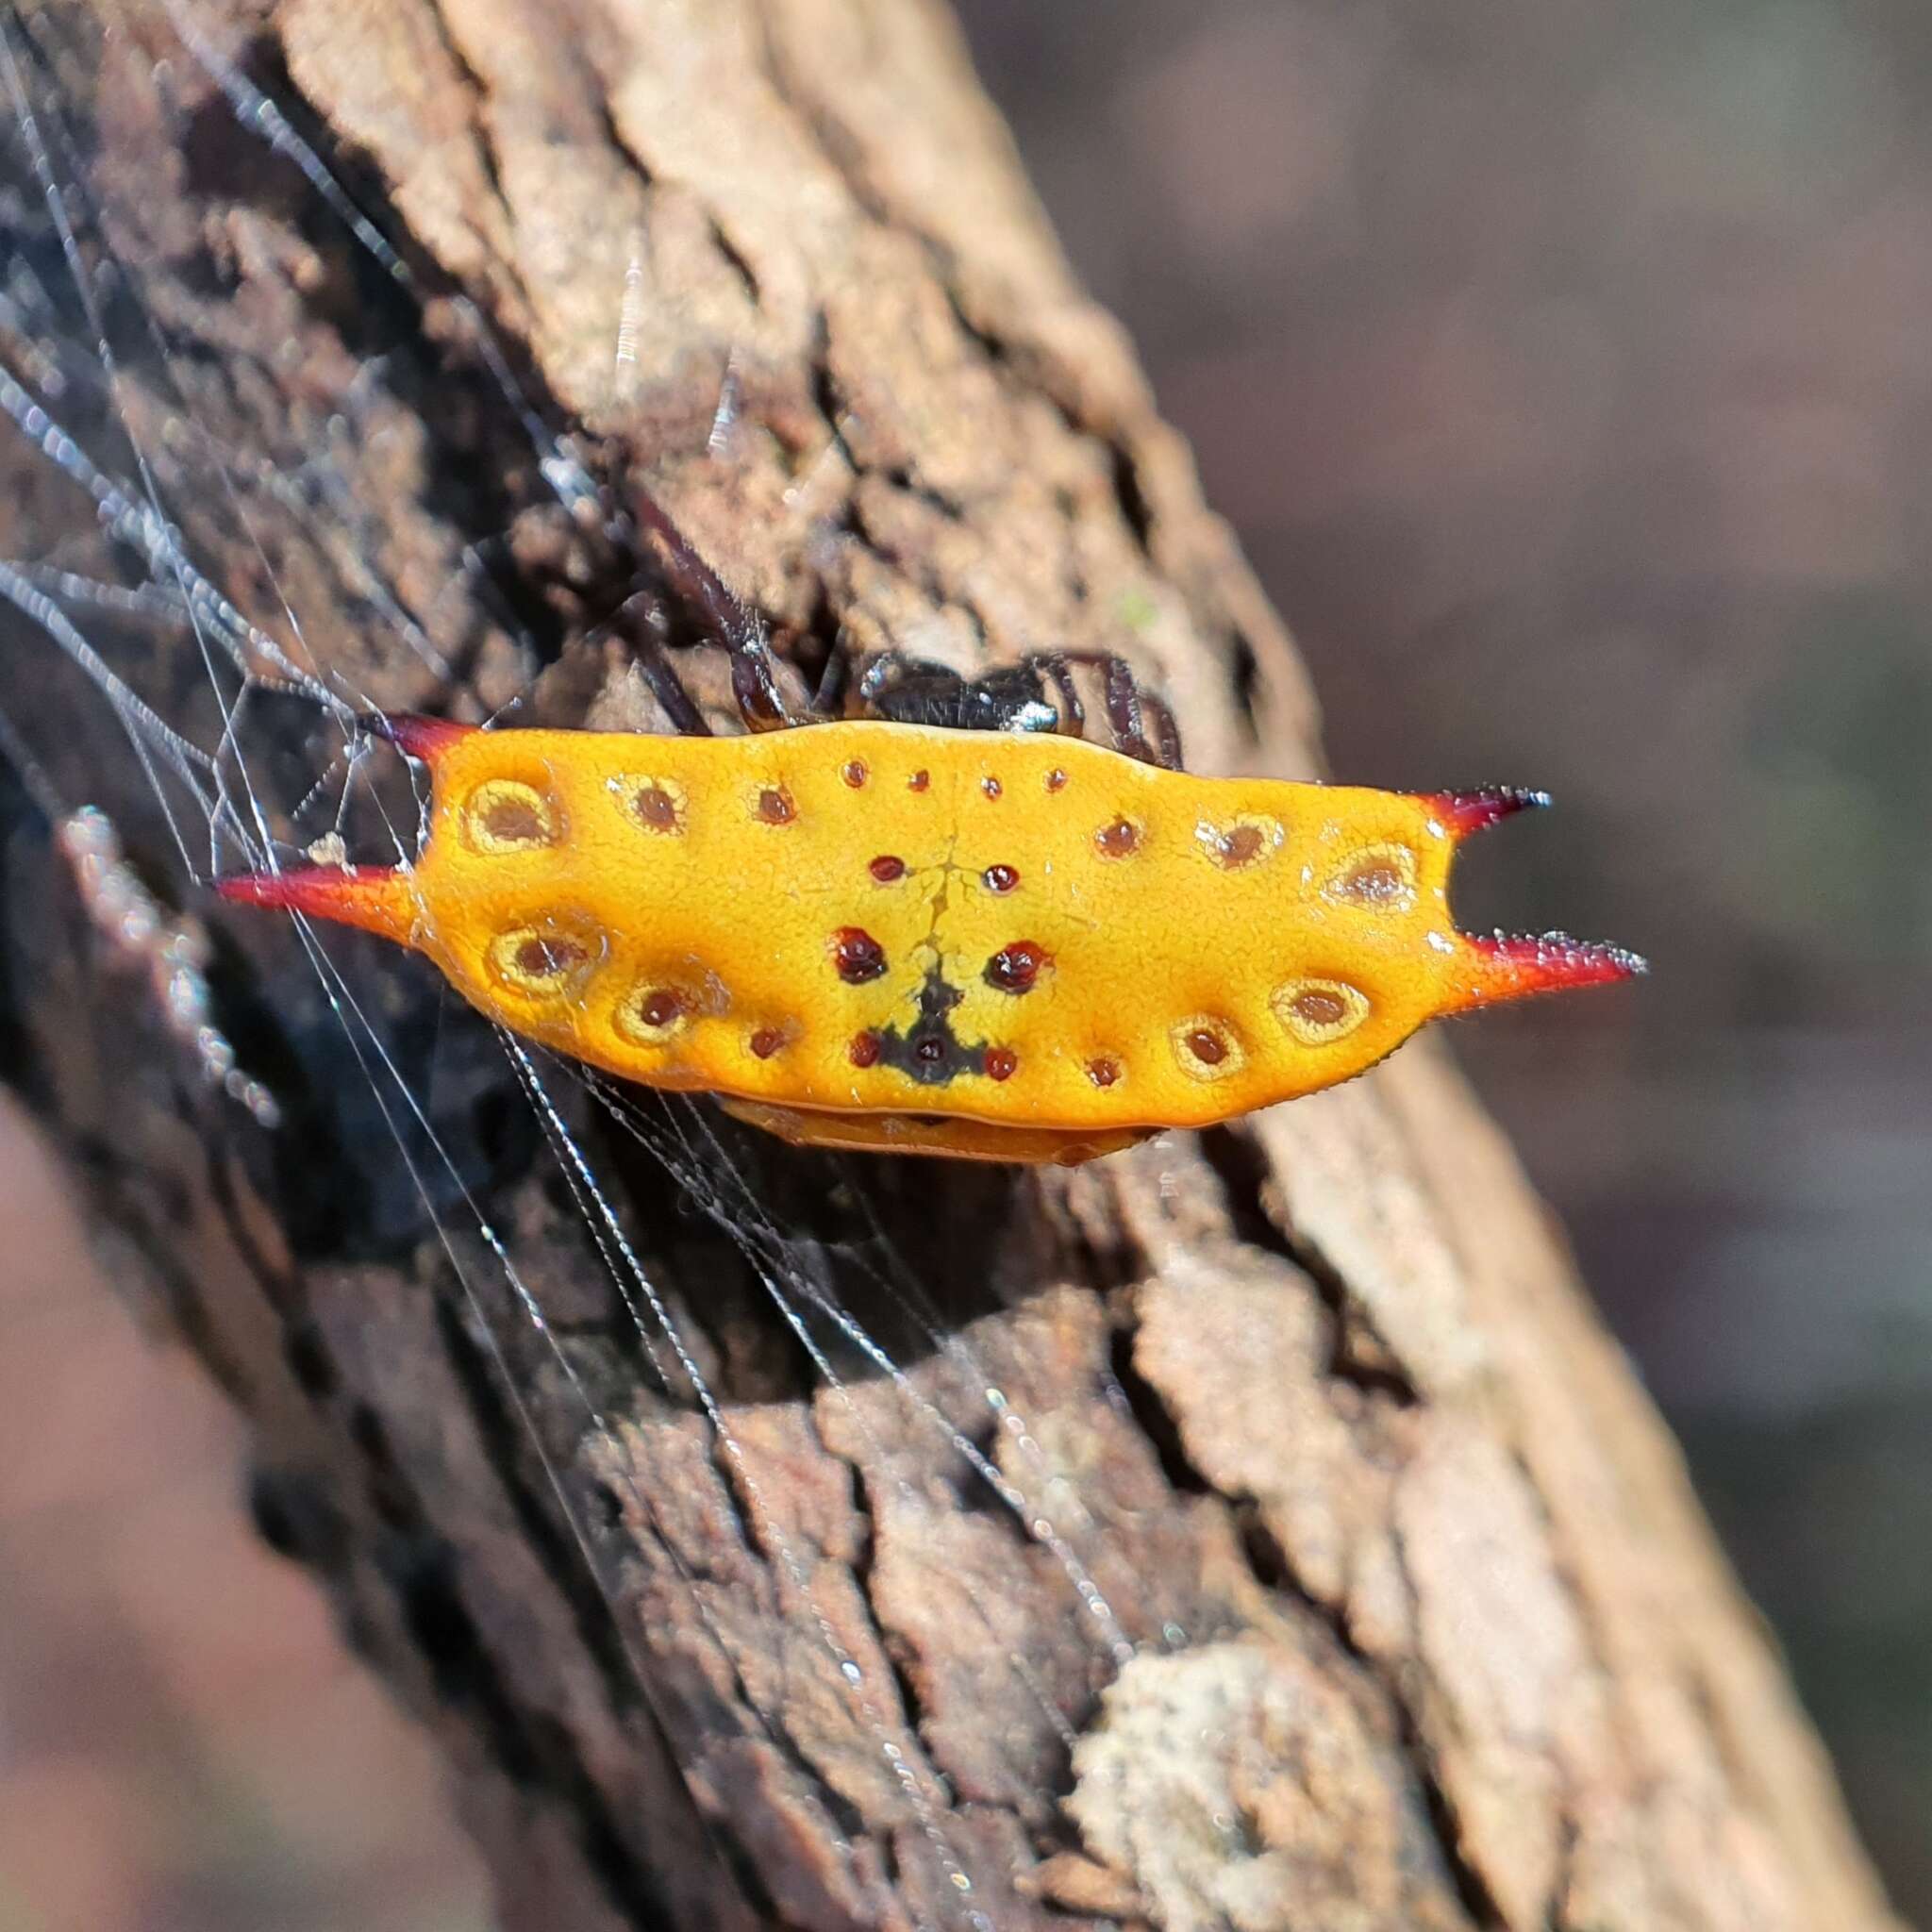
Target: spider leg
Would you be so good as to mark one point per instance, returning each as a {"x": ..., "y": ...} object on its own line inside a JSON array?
[
  {"x": 1123, "y": 696},
  {"x": 1167, "y": 733},
  {"x": 730, "y": 621},
  {"x": 1124, "y": 710},
  {"x": 649, "y": 655},
  {"x": 834, "y": 686},
  {"x": 1073, "y": 712},
  {"x": 1130, "y": 708}
]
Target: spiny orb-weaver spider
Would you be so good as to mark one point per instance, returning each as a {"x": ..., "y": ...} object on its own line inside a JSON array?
[{"x": 941, "y": 926}]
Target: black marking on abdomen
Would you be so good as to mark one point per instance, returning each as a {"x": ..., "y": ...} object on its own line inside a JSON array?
[{"x": 929, "y": 1051}]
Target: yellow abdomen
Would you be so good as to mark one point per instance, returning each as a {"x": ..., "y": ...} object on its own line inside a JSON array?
[{"x": 887, "y": 934}]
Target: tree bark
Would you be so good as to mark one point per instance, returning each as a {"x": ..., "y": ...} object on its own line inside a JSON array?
[{"x": 1425, "y": 1628}]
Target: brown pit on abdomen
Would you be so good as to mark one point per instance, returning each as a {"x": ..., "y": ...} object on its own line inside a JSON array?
[
  {"x": 545, "y": 958},
  {"x": 1017, "y": 967},
  {"x": 856, "y": 957},
  {"x": 655, "y": 807}
]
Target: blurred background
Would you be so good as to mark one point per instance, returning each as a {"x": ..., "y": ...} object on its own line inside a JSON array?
[{"x": 1566, "y": 372}]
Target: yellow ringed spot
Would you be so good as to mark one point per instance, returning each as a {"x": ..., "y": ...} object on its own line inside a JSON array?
[
  {"x": 506, "y": 815},
  {"x": 540, "y": 961},
  {"x": 1382, "y": 876},
  {"x": 654, "y": 1014},
  {"x": 1241, "y": 841},
  {"x": 1208, "y": 1048},
  {"x": 654, "y": 804},
  {"x": 1120, "y": 838},
  {"x": 1317, "y": 1012}
]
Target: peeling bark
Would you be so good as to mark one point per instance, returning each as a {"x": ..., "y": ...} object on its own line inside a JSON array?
[{"x": 1408, "y": 1618}]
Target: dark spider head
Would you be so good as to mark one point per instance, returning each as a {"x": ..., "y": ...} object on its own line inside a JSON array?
[{"x": 920, "y": 692}]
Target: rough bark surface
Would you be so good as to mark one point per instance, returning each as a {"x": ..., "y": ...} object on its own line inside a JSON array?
[{"x": 1426, "y": 1628}]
